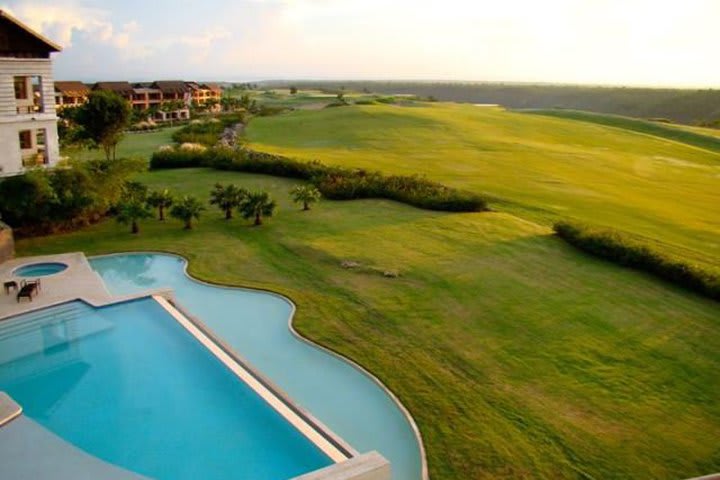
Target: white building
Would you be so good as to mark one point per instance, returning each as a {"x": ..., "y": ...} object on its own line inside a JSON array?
[{"x": 28, "y": 124}]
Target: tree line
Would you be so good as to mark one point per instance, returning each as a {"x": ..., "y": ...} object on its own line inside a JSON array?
[
  {"x": 690, "y": 106},
  {"x": 136, "y": 203}
]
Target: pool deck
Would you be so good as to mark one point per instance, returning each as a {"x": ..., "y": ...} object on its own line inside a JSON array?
[
  {"x": 29, "y": 451},
  {"x": 78, "y": 282}
]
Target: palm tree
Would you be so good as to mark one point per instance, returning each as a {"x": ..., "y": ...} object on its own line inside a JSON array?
[
  {"x": 134, "y": 191},
  {"x": 227, "y": 198},
  {"x": 306, "y": 194},
  {"x": 130, "y": 211},
  {"x": 258, "y": 205},
  {"x": 160, "y": 199},
  {"x": 187, "y": 209}
]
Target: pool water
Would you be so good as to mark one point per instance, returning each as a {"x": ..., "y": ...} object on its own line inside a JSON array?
[
  {"x": 129, "y": 385},
  {"x": 40, "y": 269},
  {"x": 255, "y": 324}
]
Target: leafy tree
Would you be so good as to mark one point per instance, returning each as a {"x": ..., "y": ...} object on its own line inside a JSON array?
[
  {"x": 187, "y": 209},
  {"x": 160, "y": 199},
  {"x": 27, "y": 199},
  {"x": 306, "y": 194},
  {"x": 210, "y": 103},
  {"x": 258, "y": 205},
  {"x": 227, "y": 198},
  {"x": 104, "y": 118},
  {"x": 74, "y": 193},
  {"x": 130, "y": 211},
  {"x": 293, "y": 90},
  {"x": 172, "y": 105},
  {"x": 109, "y": 177}
]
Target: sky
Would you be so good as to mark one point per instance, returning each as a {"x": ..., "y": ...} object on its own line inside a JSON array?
[{"x": 613, "y": 42}]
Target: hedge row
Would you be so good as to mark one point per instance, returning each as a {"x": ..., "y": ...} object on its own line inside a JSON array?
[
  {"x": 335, "y": 183},
  {"x": 623, "y": 250}
]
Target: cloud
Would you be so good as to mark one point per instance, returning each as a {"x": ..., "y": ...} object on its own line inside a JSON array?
[
  {"x": 62, "y": 20},
  {"x": 603, "y": 41}
]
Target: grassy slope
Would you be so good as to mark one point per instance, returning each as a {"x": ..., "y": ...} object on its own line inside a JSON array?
[
  {"x": 684, "y": 135},
  {"x": 712, "y": 132},
  {"x": 546, "y": 167},
  {"x": 518, "y": 356}
]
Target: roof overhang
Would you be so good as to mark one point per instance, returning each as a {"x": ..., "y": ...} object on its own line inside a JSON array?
[{"x": 52, "y": 46}]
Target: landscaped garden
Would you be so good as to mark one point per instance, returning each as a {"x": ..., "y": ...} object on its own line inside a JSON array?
[{"x": 518, "y": 356}]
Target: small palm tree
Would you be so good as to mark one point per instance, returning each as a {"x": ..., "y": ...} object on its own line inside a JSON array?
[
  {"x": 134, "y": 191},
  {"x": 187, "y": 209},
  {"x": 227, "y": 198},
  {"x": 130, "y": 211},
  {"x": 160, "y": 199},
  {"x": 306, "y": 194},
  {"x": 258, "y": 205}
]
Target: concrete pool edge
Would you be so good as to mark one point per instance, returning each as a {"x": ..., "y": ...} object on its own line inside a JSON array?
[
  {"x": 9, "y": 409},
  {"x": 406, "y": 413},
  {"x": 318, "y": 434}
]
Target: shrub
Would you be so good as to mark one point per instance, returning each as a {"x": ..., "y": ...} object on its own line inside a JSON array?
[
  {"x": 205, "y": 133},
  {"x": 193, "y": 147},
  {"x": 177, "y": 158},
  {"x": 336, "y": 183},
  {"x": 629, "y": 252}
]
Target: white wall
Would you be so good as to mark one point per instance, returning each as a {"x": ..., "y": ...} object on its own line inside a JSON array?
[
  {"x": 11, "y": 123},
  {"x": 10, "y": 154}
]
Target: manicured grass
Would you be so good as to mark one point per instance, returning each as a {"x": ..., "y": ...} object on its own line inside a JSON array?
[
  {"x": 541, "y": 168},
  {"x": 308, "y": 99},
  {"x": 713, "y": 132},
  {"x": 134, "y": 144},
  {"x": 695, "y": 138},
  {"x": 518, "y": 356}
]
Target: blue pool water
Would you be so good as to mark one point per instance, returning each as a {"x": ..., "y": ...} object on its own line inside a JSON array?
[
  {"x": 255, "y": 324},
  {"x": 129, "y": 385},
  {"x": 40, "y": 269}
]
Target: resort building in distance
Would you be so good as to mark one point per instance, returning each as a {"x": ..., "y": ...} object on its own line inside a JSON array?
[
  {"x": 151, "y": 96},
  {"x": 28, "y": 124}
]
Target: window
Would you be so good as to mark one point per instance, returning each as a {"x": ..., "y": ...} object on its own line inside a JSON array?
[
  {"x": 25, "y": 139},
  {"x": 40, "y": 137},
  {"x": 29, "y": 94},
  {"x": 21, "y": 90}
]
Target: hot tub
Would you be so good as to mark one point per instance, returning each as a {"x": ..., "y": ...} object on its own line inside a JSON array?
[{"x": 39, "y": 269}]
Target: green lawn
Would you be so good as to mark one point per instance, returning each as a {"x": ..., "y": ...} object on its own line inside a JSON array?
[
  {"x": 307, "y": 99},
  {"x": 134, "y": 144},
  {"x": 713, "y": 132},
  {"x": 689, "y": 135},
  {"x": 518, "y": 356},
  {"x": 541, "y": 168}
]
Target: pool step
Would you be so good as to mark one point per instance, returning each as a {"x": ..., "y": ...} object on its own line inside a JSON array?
[{"x": 32, "y": 321}]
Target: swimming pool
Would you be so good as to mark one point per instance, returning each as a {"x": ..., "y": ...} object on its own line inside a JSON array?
[
  {"x": 40, "y": 269},
  {"x": 256, "y": 325},
  {"x": 129, "y": 385}
]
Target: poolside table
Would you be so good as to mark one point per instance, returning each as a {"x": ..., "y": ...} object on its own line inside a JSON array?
[{"x": 8, "y": 285}]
